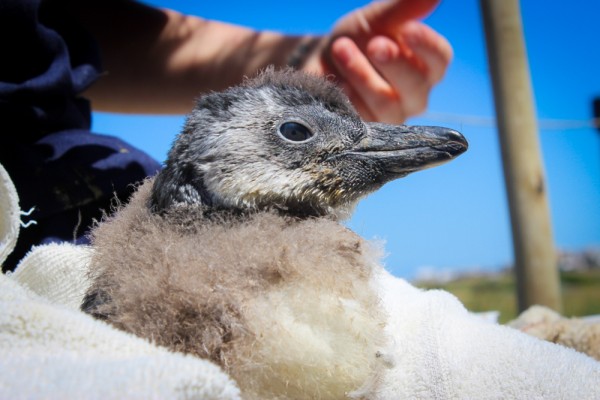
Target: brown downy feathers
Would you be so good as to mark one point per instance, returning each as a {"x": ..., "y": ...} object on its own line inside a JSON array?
[{"x": 282, "y": 304}]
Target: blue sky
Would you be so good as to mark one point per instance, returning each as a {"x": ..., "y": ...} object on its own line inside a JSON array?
[{"x": 454, "y": 216}]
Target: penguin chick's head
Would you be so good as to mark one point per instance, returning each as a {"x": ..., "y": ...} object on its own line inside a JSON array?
[{"x": 293, "y": 142}]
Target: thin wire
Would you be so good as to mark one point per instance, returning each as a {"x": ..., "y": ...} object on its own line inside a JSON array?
[
  {"x": 27, "y": 214},
  {"x": 490, "y": 122}
]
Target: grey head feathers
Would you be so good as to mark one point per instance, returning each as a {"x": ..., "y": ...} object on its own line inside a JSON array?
[{"x": 290, "y": 141}]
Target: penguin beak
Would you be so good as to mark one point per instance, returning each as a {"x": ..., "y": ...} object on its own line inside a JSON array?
[{"x": 397, "y": 150}]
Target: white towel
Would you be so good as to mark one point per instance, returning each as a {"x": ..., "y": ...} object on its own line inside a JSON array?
[
  {"x": 9, "y": 215},
  {"x": 438, "y": 350},
  {"x": 435, "y": 350},
  {"x": 56, "y": 272},
  {"x": 52, "y": 352}
]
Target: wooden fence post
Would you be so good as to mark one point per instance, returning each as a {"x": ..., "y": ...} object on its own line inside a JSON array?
[{"x": 536, "y": 262}]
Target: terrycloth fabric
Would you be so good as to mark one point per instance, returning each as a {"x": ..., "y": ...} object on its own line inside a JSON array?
[
  {"x": 436, "y": 349},
  {"x": 52, "y": 352},
  {"x": 56, "y": 272},
  {"x": 9, "y": 215}
]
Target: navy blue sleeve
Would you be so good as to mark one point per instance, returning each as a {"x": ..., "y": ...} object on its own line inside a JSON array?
[{"x": 58, "y": 166}]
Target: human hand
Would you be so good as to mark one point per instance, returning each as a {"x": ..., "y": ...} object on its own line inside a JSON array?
[{"x": 384, "y": 58}]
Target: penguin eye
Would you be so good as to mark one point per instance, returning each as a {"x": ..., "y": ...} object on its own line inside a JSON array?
[{"x": 295, "y": 132}]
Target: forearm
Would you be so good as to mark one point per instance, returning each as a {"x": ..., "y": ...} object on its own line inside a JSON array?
[{"x": 158, "y": 61}]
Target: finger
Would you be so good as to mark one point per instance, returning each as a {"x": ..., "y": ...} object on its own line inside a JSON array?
[
  {"x": 387, "y": 16},
  {"x": 356, "y": 70},
  {"x": 429, "y": 47},
  {"x": 407, "y": 75}
]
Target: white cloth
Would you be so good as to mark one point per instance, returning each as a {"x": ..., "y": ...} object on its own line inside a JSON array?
[
  {"x": 52, "y": 352},
  {"x": 56, "y": 273},
  {"x": 9, "y": 215},
  {"x": 436, "y": 349}
]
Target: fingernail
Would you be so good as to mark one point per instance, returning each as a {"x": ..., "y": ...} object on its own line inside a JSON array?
[
  {"x": 381, "y": 54},
  {"x": 379, "y": 50},
  {"x": 341, "y": 52}
]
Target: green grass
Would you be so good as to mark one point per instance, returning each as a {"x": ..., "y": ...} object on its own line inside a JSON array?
[{"x": 580, "y": 291}]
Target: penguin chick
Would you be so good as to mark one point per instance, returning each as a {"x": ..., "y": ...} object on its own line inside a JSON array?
[{"x": 233, "y": 252}]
